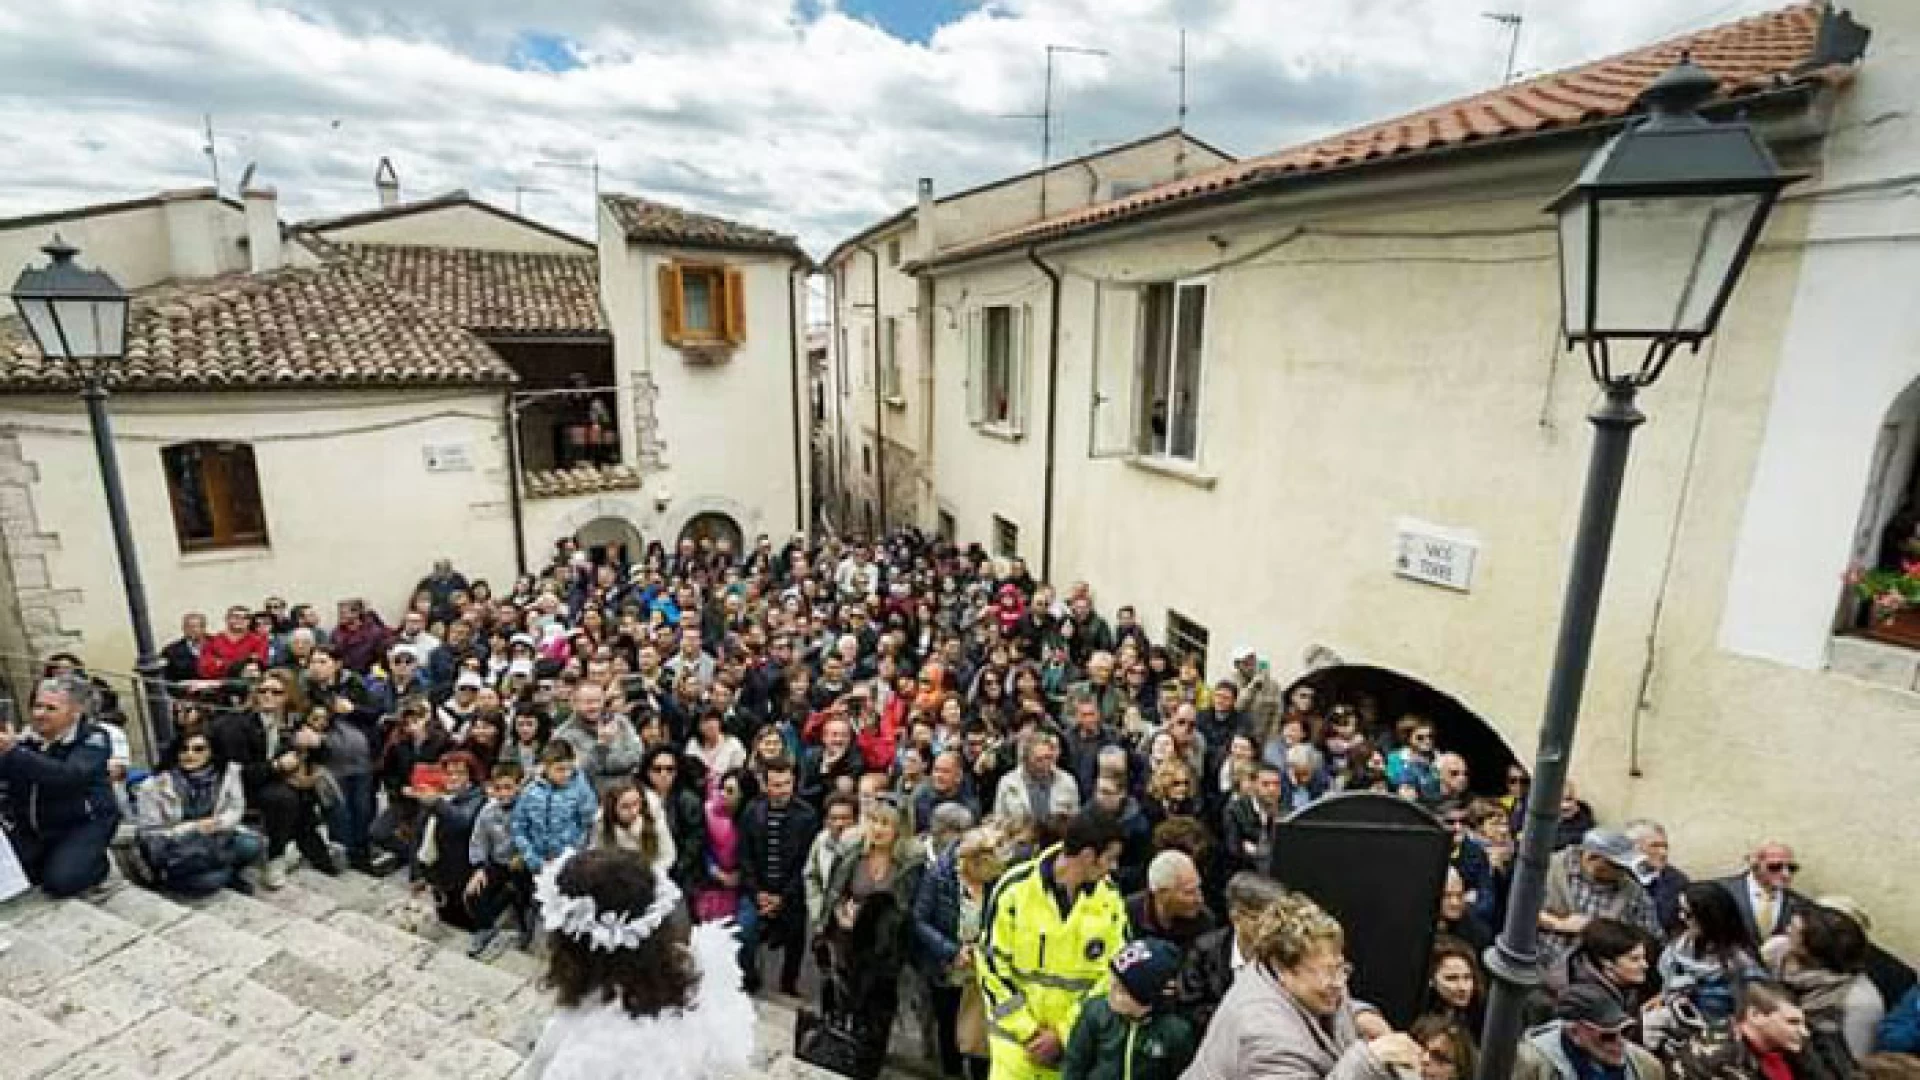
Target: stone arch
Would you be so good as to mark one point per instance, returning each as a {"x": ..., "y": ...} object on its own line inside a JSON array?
[
  {"x": 685, "y": 512},
  {"x": 715, "y": 526},
  {"x": 1394, "y": 694},
  {"x": 602, "y": 521}
]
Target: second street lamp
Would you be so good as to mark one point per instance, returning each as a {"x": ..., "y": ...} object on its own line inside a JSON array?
[
  {"x": 1653, "y": 237},
  {"x": 78, "y": 319}
]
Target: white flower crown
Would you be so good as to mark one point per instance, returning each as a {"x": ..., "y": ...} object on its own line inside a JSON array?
[{"x": 602, "y": 931}]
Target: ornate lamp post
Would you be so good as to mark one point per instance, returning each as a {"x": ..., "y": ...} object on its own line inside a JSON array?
[
  {"x": 1653, "y": 237},
  {"x": 78, "y": 318}
]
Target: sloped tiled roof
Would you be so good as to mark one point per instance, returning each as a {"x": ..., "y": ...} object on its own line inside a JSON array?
[
  {"x": 646, "y": 220},
  {"x": 493, "y": 292},
  {"x": 1751, "y": 56},
  {"x": 338, "y": 325}
]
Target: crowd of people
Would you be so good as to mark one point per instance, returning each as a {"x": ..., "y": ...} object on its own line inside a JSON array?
[{"x": 937, "y": 788}]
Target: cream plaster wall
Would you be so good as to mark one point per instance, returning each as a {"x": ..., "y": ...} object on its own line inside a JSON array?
[
  {"x": 455, "y": 226},
  {"x": 1408, "y": 368},
  {"x": 187, "y": 236},
  {"x": 1853, "y": 346},
  {"x": 351, "y": 508},
  {"x": 957, "y": 219},
  {"x": 725, "y": 431},
  {"x": 1001, "y": 207}
]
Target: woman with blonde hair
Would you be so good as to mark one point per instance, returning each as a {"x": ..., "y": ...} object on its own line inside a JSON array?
[
  {"x": 1288, "y": 1016},
  {"x": 948, "y": 913},
  {"x": 869, "y": 902}
]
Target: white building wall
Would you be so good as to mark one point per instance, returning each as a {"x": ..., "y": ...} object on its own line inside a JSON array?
[
  {"x": 725, "y": 431},
  {"x": 1398, "y": 362},
  {"x": 1852, "y": 348},
  {"x": 351, "y": 507},
  {"x": 191, "y": 234},
  {"x": 455, "y": 226}
]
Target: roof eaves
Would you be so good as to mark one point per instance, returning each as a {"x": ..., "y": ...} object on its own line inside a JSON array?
[
  {"x": 437, "y": 202},
  {"x": 1259, "y": 182}
]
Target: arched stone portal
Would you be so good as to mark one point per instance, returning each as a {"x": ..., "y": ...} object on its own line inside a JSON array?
[
  {"x": 716, "y": 527},
  {"x": 1393, "y": 695},
  {"x": 608, "y": 539}
]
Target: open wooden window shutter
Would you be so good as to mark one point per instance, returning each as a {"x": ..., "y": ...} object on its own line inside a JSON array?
[
  {"x": 672, "y": 326},
  {"x": 735, "y": 324}
]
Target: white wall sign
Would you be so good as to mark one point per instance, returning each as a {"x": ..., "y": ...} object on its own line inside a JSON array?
[
  {"x": 447, "y": 457},
  {"x": 1435, "y": 554}
]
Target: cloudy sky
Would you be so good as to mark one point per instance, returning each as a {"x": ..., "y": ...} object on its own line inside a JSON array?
[{"x": 812, "y": 116}]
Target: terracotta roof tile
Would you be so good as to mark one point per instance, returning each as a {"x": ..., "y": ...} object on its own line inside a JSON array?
[
  {"x": 492, "y": 292},
  {"x": 646, "y": 220},
  {"x": 334, "y": 325},
  {"x": 1749, "y": 56}
]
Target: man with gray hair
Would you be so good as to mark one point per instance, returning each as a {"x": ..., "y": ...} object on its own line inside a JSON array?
[
  {"x": 1208, "y": 969},
  {"x": 59, "y": 794},
  {"x": 1662, "y": 880},
  {"x": 1171, "y": 907},
  {"x": 1037, "y": 790}
]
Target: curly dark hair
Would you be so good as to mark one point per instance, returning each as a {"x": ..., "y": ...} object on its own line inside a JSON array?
[{"x": 658, "y": 975}]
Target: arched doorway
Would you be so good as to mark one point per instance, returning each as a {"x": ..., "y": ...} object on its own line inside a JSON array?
[
  {"x": 610, "y": 540},
  {"x": 711, "y": 529},
  {"x": 1382, "y": 696}
]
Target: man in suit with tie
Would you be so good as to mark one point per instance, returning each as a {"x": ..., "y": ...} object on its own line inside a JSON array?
[
  {"x": 183, "y": 656},
  {"x": 1765, "y": 892}
]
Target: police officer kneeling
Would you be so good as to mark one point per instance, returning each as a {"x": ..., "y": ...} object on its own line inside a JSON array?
[{"x": 60, "y": 806}]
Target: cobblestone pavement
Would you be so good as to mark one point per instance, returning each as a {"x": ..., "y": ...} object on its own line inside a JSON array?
[{"x": 325, "y": 979}]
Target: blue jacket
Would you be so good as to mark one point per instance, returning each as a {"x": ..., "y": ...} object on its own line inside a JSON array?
[
  {"x": 1900, "y": 1031},
  {"x": 936, "y": 918},
  {"x": 549, "y": 820},
  {"x": 54, "y": 788}
]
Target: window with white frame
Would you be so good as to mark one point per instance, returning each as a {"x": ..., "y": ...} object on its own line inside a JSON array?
[
  {"x": 997, "y": 349},
  {"x": 1173, "y": 329}
]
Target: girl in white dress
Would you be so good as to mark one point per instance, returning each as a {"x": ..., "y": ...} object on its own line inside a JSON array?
[{"x": 641, "y": 992}]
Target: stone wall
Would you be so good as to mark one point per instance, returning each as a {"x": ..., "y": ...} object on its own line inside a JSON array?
[{"x": 35, "y": 617}]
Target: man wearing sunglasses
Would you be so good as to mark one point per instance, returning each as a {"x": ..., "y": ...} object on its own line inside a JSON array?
[
  {"x": 1765, "y": 892},
  {"x": 1587, "y": 1038}
]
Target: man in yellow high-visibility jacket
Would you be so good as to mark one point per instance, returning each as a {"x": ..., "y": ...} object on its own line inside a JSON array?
[{"x": 1051, "y": 926}]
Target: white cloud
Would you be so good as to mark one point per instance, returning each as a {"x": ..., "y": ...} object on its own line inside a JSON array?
[{"x": 741, "y": 107}]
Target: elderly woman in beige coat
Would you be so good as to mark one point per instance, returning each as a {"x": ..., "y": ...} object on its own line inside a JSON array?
[{"x": 1288, "y": 1017}]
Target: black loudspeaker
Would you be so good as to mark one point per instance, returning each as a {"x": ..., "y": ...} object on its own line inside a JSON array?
[{"x": 1376, "y": 863}]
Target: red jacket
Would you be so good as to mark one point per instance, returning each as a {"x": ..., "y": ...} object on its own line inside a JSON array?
[{"x": 219, "y": 653}]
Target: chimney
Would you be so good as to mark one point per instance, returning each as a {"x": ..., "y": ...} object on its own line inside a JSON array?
[
  {"x": 387, "y": 183},
  {"x": 263, "y": 228},
  {"x": 927, "y": 235}
]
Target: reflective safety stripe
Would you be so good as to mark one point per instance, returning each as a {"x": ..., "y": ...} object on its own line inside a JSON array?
[
  {"x": 999, "y": 1032},
  {"x": 1010, "y": 1006},
  {"x": 1054, "y": 982}
]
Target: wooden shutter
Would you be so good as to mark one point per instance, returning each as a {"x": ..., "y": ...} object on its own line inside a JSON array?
[
  {"x": 1115, "y": 370},
  {"x": 734, "y": 321},
  {"x": 976, "y": 367},
  {"x": 672, "y": 326},
  {"x": 1019, "y": 366}
]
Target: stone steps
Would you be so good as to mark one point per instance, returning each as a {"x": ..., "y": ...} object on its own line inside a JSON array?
[{"x": 327, "y": 978}]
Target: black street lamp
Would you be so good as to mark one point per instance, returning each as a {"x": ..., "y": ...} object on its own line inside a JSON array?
[
  {"x": 78, "y": 318},
  {"x": 1653, "y": 237}
]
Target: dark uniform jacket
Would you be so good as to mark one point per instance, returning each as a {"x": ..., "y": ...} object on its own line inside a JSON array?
[
  {"x": 1108, "y": 1046},
  {"x": 54, "y": 788}
]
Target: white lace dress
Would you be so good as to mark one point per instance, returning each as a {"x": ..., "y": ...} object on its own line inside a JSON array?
[{"x": 711, "y": 1039}]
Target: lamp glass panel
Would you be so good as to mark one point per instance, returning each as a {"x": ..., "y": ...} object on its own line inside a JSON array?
[
  {"x": 1664, "y": 262},
  {"x": 113, "y": 328},
  {"x": 1573, "y": 266},
  {"x": 39, "y": 316},
  {"x": 79, "y": 322}
]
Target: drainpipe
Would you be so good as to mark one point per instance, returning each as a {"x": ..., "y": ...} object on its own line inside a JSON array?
[
  {"x": 879, "y": 402},
  {"x": 1053, "y": 409},
  {"x": 513, "y": 485},
  {"x": 928, "y": 336},
  {"x": 793, "y": 341},
  {"x": 836, "y": 348}
]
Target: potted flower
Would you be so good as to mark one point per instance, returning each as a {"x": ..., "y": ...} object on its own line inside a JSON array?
[{"x": 1893, "y": 601}]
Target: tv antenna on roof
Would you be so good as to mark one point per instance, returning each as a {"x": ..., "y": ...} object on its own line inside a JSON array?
[
  {"x": 1180, "y": 124},
  {"x": 1512, "y": 21}
]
